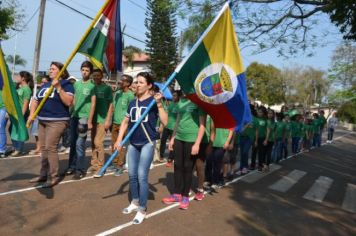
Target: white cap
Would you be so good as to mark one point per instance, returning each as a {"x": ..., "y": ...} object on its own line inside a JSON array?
[{"x": 72, "y": 78}]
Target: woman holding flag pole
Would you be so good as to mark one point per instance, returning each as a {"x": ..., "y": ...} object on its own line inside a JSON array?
[{"x": 142, "y": 142}]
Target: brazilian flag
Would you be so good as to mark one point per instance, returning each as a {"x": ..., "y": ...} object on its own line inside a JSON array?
[{"x": 11, "y": 101}]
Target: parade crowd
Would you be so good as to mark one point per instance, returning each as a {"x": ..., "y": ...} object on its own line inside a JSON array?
[{"x": 77, "y": 107}]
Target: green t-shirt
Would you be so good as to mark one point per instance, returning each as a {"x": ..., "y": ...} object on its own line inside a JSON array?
[
  {"x": 220, "y": 137},
  {"x": 271, "y": 125},
  {"x": 121, "y": 102},
  {"x": 82, "y": 97},
  {"x": 103, "y": 95},
  {"x": 295, "y": 128},
  {"x": 316, "y": 126},
  {"x": 287, "y": 128},
  {"x": 302, "y": 130},
  {"x": 188, "y": 126},
  {"x": 24, "y": 93},
  {"x": 1, "y": 101},
  {"x": 280, "y": 129},
  {"x": 322, "y": 121},
  {"x": 262, "y": 127},
  {"x": 250, "y": 130},
  {"x": 172, "y": 110}
]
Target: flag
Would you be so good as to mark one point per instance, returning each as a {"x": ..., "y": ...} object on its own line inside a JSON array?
[
  {"x": 103, "y": 44},
  {"x": 12, "y": 103},
  {"x": 212, "y": 75}
]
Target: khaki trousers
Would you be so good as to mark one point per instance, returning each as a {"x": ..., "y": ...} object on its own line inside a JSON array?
[
  {"x": 97, "y": 139},
  {"x": 49, "y": 134},
  {"x": 119, "y": 160}
]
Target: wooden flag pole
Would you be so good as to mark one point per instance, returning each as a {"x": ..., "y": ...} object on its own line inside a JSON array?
[{"x": 50, "y": 90}]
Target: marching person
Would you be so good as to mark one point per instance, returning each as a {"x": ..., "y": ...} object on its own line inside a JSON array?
[
  {"x": 53, "y": 119},
  {"x": 142, "y": 142}
]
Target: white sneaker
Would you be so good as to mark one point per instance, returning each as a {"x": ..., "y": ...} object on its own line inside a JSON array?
[
  {"x": 132, "y": 207},
  {"x": 151, "y": 166},
  {"x": 140, "y": 216},
  {"x": 67, "y": 150}
]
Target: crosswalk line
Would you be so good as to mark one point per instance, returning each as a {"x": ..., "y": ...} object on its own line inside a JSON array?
[
  {"x": 319, "y": 189},
  {"x": 254, "y": 176},
  {"x": 349, "y": 203},
  {"x": 284, "y": 184}
]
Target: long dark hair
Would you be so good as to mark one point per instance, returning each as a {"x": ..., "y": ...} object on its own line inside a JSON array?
[
  {"x": 59, "y": 65},
  {"x": 27, "y": 76}
]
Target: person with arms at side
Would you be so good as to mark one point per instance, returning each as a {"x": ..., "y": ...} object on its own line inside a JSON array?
[
  {"x": 81, "y": 121},
  {"x": 101, "y": 120},
  {"x": 332, "y": 124},
  {"x": 118, "y": 109}
]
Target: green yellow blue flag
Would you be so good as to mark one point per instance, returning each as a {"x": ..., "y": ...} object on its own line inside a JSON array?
[
  {"x": 11, "y": 101},
  {"x": 212, "y": 75}
]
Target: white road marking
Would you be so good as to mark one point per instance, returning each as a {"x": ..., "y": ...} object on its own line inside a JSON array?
[
  {"x": 349, "y": 203},
  {"x": 319, "y": 189},
  {"x": 253, "y": 177},
  {"x": 284, "y": 184}
]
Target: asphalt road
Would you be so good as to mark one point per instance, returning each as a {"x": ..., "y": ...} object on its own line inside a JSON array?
[{"x": 313, "y": 193}]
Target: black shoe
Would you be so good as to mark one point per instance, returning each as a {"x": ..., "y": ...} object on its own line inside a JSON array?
[
  {"x": 69, "y": 171},
  {"x": 50, "y": 183},
  {"x": 38, "y": 179},
  {"x": 78, "y": 175}
]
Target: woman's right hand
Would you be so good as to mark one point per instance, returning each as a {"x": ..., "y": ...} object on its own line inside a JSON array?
[
  {"x": 117, "y": 146},
  {"x": 29, "y": 122},
  {"x": 170, "y": 145}
]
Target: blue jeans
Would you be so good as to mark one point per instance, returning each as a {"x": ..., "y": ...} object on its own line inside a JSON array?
[
  {"x": 77, "y": 147},
  {"x": 330, "y": 133},
  {"x": 316, "y": 139},
  {"x": 213, "y": 165},
  {"x": 139, "y": 159},
  {"x": 295, "y": 144},
  {"x": 3, "y": 122},
  {"x": 245, "y": 145},
  {"x": 277, "y": 152}
]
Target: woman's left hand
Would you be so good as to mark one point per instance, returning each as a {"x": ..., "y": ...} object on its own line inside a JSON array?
[
  {"x": 56, "y": 84},
  {"x": 158, "y": 97},
  {"x": 195, "y": 149}
]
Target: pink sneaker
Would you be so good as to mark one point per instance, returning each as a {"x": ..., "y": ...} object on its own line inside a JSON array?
[
  {"x": 199, "y": 196},
  {"x": 184, "y": 203},
  {"x": 172, "y": 199}
]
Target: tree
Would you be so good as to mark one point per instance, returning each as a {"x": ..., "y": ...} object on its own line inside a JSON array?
[
  {"x": 10, "y": 17},
  {"x": 129, "y": 53},
  {"x": 19, "y": 61},
  {"x": 305, "y": 86},
  {"x": 343, "y": 66},
  {"x": 288, "y": 25},
  {"x": 161, "y": 43},
  {"x": 264, "y": 83}
]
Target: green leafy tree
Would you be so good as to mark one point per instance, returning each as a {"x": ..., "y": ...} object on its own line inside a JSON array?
[
  {"x": 264, "y": 83},
  {"x": 18, "y": 61},
  {"x": 161, "y": 43},
  {"x": 10, "y": 17},
  {"x": 291, "y": 26}
]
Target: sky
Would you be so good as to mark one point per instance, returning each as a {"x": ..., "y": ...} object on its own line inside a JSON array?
[{"x": 63, "y": 28}]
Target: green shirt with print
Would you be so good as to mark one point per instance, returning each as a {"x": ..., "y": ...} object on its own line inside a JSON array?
[
  {"x": 1, "y": 101},
  {"x": 322, "y": 121},
  {"x": 103, "y": 95},
  {"x": 24, "y": 93},
  {"x": 262, "y": 127},
  {"x": 302, "y": 130},
  {"x": 280, "y": 129},
  {"x": 84, "y": 90},
  {"x": 188, "y": 126},
  {"x": 250, "y": 130},
  {"x": 121, "y": 102},
  {"x": 172, "y": 111}
]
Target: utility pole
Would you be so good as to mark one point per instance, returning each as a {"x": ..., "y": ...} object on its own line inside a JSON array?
[{"x": 36, "y": 58}]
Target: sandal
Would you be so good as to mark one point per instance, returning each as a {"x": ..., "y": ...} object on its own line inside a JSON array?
[
  {"x": 132, "y": 207},
  {"x": 140, "y": 216}
]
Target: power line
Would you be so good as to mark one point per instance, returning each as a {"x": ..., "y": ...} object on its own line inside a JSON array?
[
  {"x": 91, "y": 18},
  {"x": 28, "y": 21}
]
